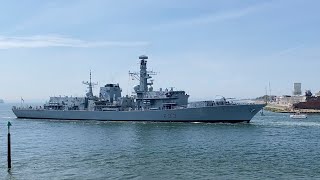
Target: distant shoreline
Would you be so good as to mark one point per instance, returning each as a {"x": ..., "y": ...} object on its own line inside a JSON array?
[{"x": 284, "y": 109}]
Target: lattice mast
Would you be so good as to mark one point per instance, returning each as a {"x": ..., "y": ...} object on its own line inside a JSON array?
[{"x": 90, "y": 85}]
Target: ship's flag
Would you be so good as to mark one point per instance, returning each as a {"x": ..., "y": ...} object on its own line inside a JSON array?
[{"x": 22, "y": 100}]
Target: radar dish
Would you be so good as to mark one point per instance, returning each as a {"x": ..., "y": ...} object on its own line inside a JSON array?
[{"x": 143, "y": 57}]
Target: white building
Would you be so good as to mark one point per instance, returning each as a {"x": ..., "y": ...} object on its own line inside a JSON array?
[{"x": 289, "y": 100}]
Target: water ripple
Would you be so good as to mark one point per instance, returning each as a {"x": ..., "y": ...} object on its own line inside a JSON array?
[{"x": 273, "y": 146}]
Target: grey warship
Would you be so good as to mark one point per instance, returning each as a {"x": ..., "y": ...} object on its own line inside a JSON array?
[{"x": 146, "y": 104}]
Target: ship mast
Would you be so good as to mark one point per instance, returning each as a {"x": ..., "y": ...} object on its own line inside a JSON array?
[
  {"x": 90, "y": 87},
  {"x": 143, "y": 75}
]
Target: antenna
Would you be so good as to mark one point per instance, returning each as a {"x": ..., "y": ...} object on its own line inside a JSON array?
[
  {"x": 266, "y": 96},
  {"x": 270, "y": 91}
]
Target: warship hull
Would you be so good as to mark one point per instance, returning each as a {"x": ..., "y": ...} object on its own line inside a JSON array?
[{"x": 227, "y": 113}]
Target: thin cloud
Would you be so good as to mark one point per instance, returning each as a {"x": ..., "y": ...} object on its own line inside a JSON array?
[
  {"x": 213, "y": 18},
  {"x": 285, "y": 52},
  {"x": 290, "y": 50},
  {"x": 59, "y": 41}
]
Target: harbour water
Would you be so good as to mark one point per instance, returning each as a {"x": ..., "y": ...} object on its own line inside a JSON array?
[{"x": 271, "y": 146}]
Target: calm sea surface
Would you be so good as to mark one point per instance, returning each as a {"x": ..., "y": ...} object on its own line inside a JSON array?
[{"x": 272, "y": 146}]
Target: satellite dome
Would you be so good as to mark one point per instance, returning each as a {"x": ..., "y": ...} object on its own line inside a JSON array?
[{"x": 143, "y": 57}]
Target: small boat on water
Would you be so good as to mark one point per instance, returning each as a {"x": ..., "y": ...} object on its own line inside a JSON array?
[{"x": 298, "y": 115}]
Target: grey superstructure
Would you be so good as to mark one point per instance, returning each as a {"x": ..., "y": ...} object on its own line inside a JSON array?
[{"x": 165, "y": 105}]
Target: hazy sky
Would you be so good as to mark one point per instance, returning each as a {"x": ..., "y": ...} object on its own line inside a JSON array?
[{"x": 205, "y": 47}]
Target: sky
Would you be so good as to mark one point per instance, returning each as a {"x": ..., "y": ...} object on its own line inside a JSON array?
[{"x": 233, "y": 48}]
